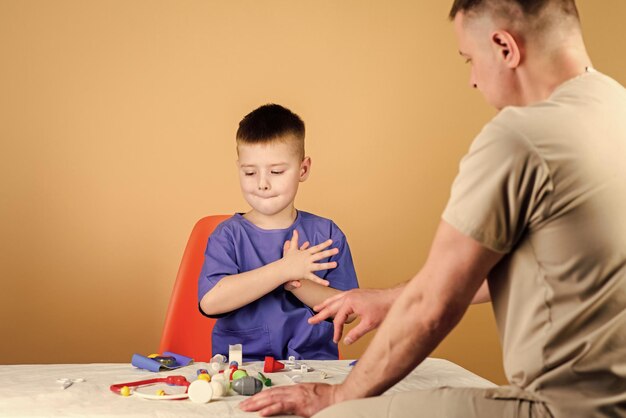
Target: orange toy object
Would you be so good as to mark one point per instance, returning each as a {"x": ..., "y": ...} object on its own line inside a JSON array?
[
  {"x": 271, "y": 365},
  {"x": 186, "y": 330}
]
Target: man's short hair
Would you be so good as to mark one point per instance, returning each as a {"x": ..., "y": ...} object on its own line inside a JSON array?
[
  {"x": 268, "y": 123},
  {"x": 503, "y": 8}
]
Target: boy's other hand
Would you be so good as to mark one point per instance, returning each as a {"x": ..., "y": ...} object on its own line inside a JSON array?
[
  {"x": 292, "y": 285},
  {"x": 301, "y": 262}
]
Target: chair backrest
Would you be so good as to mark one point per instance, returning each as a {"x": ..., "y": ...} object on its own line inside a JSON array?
[{"x": 186, "y": 330}]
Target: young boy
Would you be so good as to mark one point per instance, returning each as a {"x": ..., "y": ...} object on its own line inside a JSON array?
[{"x": 265, "y": 269}]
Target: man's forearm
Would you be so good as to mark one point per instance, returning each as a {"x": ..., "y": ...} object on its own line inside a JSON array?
[
  {"x": 431, "y": 304},
  {"x": 415, "y": 325}
]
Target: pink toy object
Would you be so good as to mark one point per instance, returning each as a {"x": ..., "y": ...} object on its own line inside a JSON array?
[{"x": 271, "y": 365}]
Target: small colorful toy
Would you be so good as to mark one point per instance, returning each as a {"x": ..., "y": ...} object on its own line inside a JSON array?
[
  {"x": 271, "y": 365},
  {"x": 238, "y": 374},
  {"x": 218, "y": 389},
  {"x": 216, "y": 364},
  {"x": 266, "y": 381},
  {"x": 203, "y": 374},
  {"x": 247, "y": 386},
  {"x": 220, "y": 379},
  {"x": 232, "y": 369}
]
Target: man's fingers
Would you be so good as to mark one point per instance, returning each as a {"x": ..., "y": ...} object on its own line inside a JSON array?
[
  {"x": 304, "y": 246},
  {"x": 271, "y": 402},
  {"x": 286, "y": 246},
  {"x": 338, "y": 322},
  {"x": 322, "y": 315},
  {"x": 330, "y": 301},
  {"x": 260, "y": 400},
  {"x": 357, "y": 332},
  {"x": 274, "y": 409}
]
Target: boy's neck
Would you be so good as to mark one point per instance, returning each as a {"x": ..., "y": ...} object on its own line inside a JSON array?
[{"x": 282, "y": 220}]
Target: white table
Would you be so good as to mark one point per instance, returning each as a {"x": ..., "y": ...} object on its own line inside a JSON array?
[{"x": 32, "y": 390}]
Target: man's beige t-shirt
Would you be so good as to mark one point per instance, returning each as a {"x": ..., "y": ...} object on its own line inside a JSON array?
[{"x": 546, "y": 186}]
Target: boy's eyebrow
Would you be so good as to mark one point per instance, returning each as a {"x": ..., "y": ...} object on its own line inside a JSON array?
[{"x": 271, "y": 165}]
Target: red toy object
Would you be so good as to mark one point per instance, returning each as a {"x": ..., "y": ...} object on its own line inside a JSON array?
[
  {"x": 271, "y": 365},
  {"x": 170, "y": 380},
  {"x": 233, "y": 369}
]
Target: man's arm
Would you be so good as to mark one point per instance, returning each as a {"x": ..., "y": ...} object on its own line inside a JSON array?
[
  {"x": 482, "y": 295},
  {"x": 235, "y": 291},
  {"x": 428, "y": 308}
]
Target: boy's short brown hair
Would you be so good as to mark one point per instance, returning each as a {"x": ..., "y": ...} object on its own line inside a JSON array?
[{"x": 269, "y": 123}]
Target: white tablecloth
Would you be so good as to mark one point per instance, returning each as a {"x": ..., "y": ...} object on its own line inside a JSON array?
[{"x": 33, "y": 391}]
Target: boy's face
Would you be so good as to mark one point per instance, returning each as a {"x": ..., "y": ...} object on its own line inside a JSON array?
[{"x": 269, "y": 175}]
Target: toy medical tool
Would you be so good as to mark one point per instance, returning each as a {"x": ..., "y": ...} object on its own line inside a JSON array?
[
  {"x": 124, "y": 388},
  {"x": 165, "y": 361}
]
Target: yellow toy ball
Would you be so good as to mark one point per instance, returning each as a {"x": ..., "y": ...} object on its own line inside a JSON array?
[
  {"x": 125, "y": 391},
  {"x": 160, "y": 392},
  {"x": 204, "y": 376}
]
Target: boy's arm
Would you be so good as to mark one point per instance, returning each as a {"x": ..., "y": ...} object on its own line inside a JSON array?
[
  {"x": 311, "y": 293},
  {"x": 234, "y": 291}
]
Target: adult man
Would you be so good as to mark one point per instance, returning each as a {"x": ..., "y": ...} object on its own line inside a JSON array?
[{"x": 539, "y": 208}]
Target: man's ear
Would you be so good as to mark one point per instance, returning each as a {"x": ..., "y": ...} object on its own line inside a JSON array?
[
  {"x": 506, "y": 48},
  {"x": 305, "y": 168}
]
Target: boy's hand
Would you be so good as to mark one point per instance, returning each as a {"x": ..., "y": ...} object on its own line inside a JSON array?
[{"x": 300, "y": 263}]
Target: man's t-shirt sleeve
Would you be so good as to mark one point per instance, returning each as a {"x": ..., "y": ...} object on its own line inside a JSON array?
[{"x": 502, "y": 188}]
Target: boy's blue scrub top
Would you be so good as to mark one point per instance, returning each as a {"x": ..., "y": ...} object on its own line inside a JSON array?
[{"x": 276, "y": 324}]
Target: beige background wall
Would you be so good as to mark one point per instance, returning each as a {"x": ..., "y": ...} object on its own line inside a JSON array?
[{"x": 117, "y": 121}]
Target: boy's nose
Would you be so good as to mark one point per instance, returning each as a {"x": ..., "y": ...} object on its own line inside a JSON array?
[{"x": 263, "y": 184}]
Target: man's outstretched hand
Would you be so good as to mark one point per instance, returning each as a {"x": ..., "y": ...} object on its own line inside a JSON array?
[
  {"x": 371, "y": 305},
  {"x": 303, "y": 399}
]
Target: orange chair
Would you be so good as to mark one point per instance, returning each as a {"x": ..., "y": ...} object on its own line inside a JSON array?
[{"x": 186, "y": 330}]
